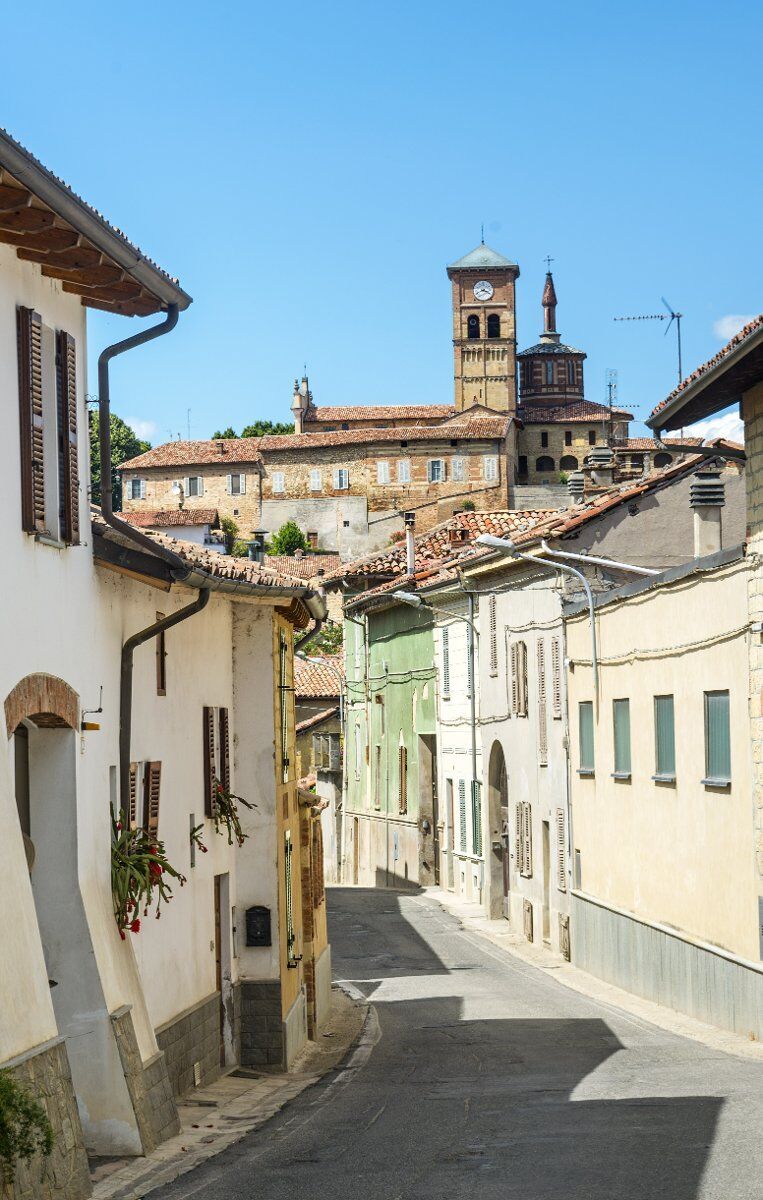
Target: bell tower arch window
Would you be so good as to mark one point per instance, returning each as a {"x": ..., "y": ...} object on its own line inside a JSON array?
[
  {"x": 494, "y": 325},
  {"x": 472, "y": 327}
]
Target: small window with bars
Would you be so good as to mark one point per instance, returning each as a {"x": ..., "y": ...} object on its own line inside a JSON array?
[
  {"x": 621, "y": 721},
  {"x": 664, "y": 740},
  {"x": 717, "y": 740},
  {"x": 585, "y": 738}
]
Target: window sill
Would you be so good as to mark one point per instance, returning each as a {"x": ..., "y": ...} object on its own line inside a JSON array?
[
  {"x": 623, "y": 776},
  {"x": 669, "y": 779},
  {"x": 718, "y": 784},
  {"x": 46, "y": 539},
  {"x": 586, "y": 772}
]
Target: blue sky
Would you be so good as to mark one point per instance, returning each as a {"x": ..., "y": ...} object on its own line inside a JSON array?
[{"x": 308, "y": 170}]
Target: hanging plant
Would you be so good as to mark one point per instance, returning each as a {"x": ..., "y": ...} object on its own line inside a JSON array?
[
  {"x": 140, "y": 874},
  {"x": 226, "y": 816},
  {"x": 24, "y": 1127},
  {"x": 196, "y": 838}
]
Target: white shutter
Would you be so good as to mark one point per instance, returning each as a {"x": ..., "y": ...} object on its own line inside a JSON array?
[
  {"x": 199, "y": 485},
  {"x": 142, "y": 489},
  {"x": 519, "y": 844},
  {"x": 490, "y": 467},
  {"x": 457, "y": 469},
  {"x": 561, "y": 871},
  {"x": 445, "y": 635},
  {"x": 469, "y": 661},
  {"x": 404, "y": 471},
  {"x": 229, "y": 485},
  {"x": 556, "y": 678},
  {"x": 527, "y": 838},
  {"x": 542, "y": 725},
  {"x": 315, "y": 480},
  {"x": 493, "y": 635},
  {"x": 187, "y": 486},
  {"x": 514, "y": 678},
  {"x": 382, "y": 471},
  {"x": 522, "y": 679},
  {"x": 242, "y": 485}
]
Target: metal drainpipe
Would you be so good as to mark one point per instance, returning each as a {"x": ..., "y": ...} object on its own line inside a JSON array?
[
  {"x": 597, "y": 562},
  {"x": 311, "y": 633},
  {"x": 472, "y": 645},
  {"x": 125, "y": 687}
]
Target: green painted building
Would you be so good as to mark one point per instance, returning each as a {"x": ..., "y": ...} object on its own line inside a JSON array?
[{"x": 391, "y": 824}]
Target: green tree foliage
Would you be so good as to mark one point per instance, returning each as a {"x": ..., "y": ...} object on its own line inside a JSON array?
[
  {"x": 230, "y": 530},
  {"x": 125, "y": 444},
  {"x": 262, "y": 428},
  {"x": 226, "y": 433},
  {"x": 328, "y": 641},
  {"x": 288, "y": 539},
  {"x": 24, "y": 1127}
]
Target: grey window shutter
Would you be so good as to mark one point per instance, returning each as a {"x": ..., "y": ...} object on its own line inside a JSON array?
[
  {"x": 229, "y": 485},
  {"x": 462, "y": 813},
  {"x": 445, "y": 662},
  {"x": 151, "y": 787},
  {"x": 492, "y": 614},
  {"x": 542, "y": 722},
  {"x": 476, "y": 817},
  {"x": 242, "y": 484},
  {"x": 469, "y": 661},
  {"x": 556, "y": 678},
  {"x": 210, "y": 774},
  {"x": 514, "y": 680},
  {"x": 527, "y": 835},
  {"x": 561, "y": 856},
  {"x": 519, "y": 841}
]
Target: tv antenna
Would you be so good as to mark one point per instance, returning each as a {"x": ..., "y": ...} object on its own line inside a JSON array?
[
  {"x": 670, "y": 316},
  {"x": 611, "y": 384}
]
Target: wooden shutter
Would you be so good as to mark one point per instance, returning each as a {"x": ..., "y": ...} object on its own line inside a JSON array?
[
  {"x": 335, "y": 753},
  {"x": 521, "y": 679},
  {"x": 476, "y": 817},
  {"x": 519, "y": 842},
  {"x": 68, "y": 483},
  {"x": 556, "y": 678},
  {"x": 29, "y": 336},
  {"x": 561, "y": 871},
  {"x": 210, "y": 793},
  {"x": 224, "y": 730},
  {"x": 445, "y": 662},
  {"x": 527, "y": 838},
  {"x": 151, "y": 784},
  {"x": 542, "y": 722},
  {"x": 403, "y": 788},
  {"x": 493, "y": 635},
  {"x": 132, "y": 816},
  {"x": 290, "y": 934},
  {"x": 469, "y": 661},
  {"x": 514, "y": 678},
  {"x": 462, "y": 813}
]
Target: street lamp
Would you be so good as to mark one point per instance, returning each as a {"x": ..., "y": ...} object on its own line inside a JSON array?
[{"x": 416, "y": 601}]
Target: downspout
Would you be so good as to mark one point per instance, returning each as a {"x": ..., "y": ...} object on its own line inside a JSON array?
[
  {"x": 308, "y": 637},
  {"x": 472, "y": 645}
]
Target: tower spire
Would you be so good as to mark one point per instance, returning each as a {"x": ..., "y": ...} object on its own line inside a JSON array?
[{"x": 549, "y": 305}]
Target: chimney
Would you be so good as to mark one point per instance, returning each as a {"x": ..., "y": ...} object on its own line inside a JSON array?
[
  {"x": 299, "y": 553},
  {"x": 576, "y": 487},
  {"x": 410, "y": 545},
  {"x": 300, "y": 402},
  {"x": 707, "y": 498},
  {"x": 601, "y": 461}
]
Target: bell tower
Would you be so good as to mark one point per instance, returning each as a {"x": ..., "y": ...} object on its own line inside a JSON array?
[{"x": 484, "y": 330}]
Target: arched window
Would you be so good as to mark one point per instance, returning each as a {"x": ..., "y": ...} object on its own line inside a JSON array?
[
  {"x": 549, "y": 372},
  {"x": 472, "y": 327},
  {"x": 663, "y": 459},
  {"x": 494, "y": 326},
  {"x": 571, "y": 372},
  {"x": 568, "y": 462},
  {"x": 544, "y": 464}
]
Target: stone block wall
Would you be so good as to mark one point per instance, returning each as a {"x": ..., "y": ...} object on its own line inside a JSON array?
[
  {"x": 263, "y": 1042},
  {"x": 65, "y": 1175},
  {"x": 148, "y": 1085},
  {"x": 192, "y": 1037}
]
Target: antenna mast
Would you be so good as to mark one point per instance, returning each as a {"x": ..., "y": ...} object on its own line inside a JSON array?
[
  {"x": 611, "y": 378},
  {"x": 670, "y": 317}
]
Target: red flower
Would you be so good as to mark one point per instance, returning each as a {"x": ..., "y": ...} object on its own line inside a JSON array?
[
  {"x": 119, "y": 826},
  {"x": 155, "y": 869},
  {"x": 203, "y": 849},
  {"x": 122, "y": 934},
  {"x": 135, "y": 926}
]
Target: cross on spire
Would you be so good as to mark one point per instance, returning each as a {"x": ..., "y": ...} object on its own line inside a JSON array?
[
  {"x": 548, "y": 261},
  {"x": 482, "y": 234}
]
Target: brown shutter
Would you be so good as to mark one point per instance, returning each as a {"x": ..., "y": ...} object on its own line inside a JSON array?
[
  {"x": 210, "y": 794},
  {"x": 133, "y": 813},
  {"x": 29, "y": 336},
  {"x": 151, "y": 784},
  {"x": 224, "y": 749},
  {"x": 66, "y": 376}
]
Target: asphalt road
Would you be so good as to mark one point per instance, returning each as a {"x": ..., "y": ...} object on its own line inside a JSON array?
[{"x": 490, "y": 1080}]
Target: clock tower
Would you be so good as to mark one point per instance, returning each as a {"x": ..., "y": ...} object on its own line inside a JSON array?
[{"x": 484, "y": 330}]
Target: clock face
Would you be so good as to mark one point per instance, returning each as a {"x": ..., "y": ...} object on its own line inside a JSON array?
[{"x": 483, "y": 290}]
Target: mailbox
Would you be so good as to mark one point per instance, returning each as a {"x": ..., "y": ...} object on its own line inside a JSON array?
[{"x": 258, "y": 926}]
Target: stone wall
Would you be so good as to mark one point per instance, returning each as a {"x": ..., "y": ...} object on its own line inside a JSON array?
[
  {"x": 245, "y": 510},
  {"x": 65, "y": 1175},
  {"x": 530, "y": 447},
  {"x": 262, "y": 1031},
  {"x": 192, "y": 1038},
  {"x": 149, "y": 1086}
]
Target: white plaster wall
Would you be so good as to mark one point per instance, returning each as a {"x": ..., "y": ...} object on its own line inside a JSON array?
[{"x": 366, "y": 532}]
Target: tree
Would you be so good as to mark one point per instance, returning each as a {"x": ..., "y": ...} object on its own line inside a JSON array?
[
  {"x": 329, "y": 640},
  {"x": 230, "y": 532},
  {"x": 263, "y": 428},
  {"x": 226, "y": 433},
  {"x": 125, "y": 444},
  {"x": 288, "y": 539}
]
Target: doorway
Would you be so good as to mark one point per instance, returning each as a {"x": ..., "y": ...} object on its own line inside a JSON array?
[
  {"x": 429, "y": 841},
  {"x": 500, "y": 862},
  {"x": 224, "y": 967},
  {"x": 355, "y": 850},
  {"x": 451, "y": 816},
  {"x": 546, "y": 882}
]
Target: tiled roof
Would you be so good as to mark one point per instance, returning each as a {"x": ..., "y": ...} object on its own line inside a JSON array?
[
  {"x": 316, "y": 680},
  {"x": 306, "y": 566},
  {"x": 380, "y": 412},
  {"x": 191, "y": 454},
  {"x": 317, "y": 719},
  {"x": 480, "y": 256},
  {"x": 550, "y": 348},
  {"x": 474, "y": 427},
  {"x": 751, "y": 328},
  {"x": 435, "y": 546},
  {"x": 164, "y": 518},
  {"x": 561, "y": 414}
]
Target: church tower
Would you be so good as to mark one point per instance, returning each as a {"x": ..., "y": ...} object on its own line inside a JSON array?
[{"x": 484, "y": 330}]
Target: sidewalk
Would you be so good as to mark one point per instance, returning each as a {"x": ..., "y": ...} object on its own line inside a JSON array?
[
  {"x": 500, "y": 934},
  {"x": 214, "y": 1117}
]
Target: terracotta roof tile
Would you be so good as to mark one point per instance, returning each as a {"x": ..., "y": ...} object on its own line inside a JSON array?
[
  {"x": 316, "y": 680},
  {"x": 646, "y": 443},
  {"x": 308, "y": 566},
  {"x": 737, "y": 340},
  {"x": 474, "y": 427},
  {"x": 164, "y": 518},
  {"x": 380, "y": 412},
  {"x": 560, "y": 414},
  {"x": 316, "y": 719},
  {"x": 234, "y": 451}
]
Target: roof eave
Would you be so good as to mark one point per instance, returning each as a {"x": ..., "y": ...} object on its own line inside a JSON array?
[{"x": 674, "y": 414}]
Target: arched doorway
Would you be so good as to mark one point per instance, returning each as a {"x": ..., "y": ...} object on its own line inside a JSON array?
[
  {"x": 498, "y": 798},
  {"x": 42, "y": 718}
]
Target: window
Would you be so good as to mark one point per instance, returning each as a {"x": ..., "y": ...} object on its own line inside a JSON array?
[
  {"x": 568, "y": 462},
  {"x": 544, "y": 439},
  {"x": 277, "y": 482},
  {"x": 194, "y": 486},
  {"x": 436, "y": 470},
  {"x": 571, "y": 373},
  {"x": 462, "y": 815},
  {"x": 621, "y": 719},
  {"x": 135, "y": 489},
  {"x": 544, "y": 465},
  {"x": 490, "y": 467},
  {"x": 663, "y": 460},
  {"x": 549, "y": 368},
  {"x": 445, "y": 636},
  {"x": 556, "y": 679},
  {"x": 568, "y": 437},
  {"x": 585, "y": 734},
  {"x": 312, "y": 539},
  {"x": 316, "y": 482},
  {"x": 591, "y": 437},
  {"x": 402, "y": 782},
  {"x": 494, "y": 326},
  {"x": 404, "y": 470},
  {"x": 458, "y": 470},
  {"x": 287, "y": 871},
  {"x": 493, "y": 622},
  {"x": 717, "y": 740},
  {"x": 476, "y": 817},
  {"x": 216, "y": 750},
  {"x": 382, "y": 471},
  {"x": 236, "y": 484},
  {"x": 472, "y": 327},
  {"x": 528, "y": 377},
  {"x": 341, "y": 479},
  {"x": 664, "y": 740},
  {"x": 522, "y": 466},
  {"x": 161, "y": 661}
]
